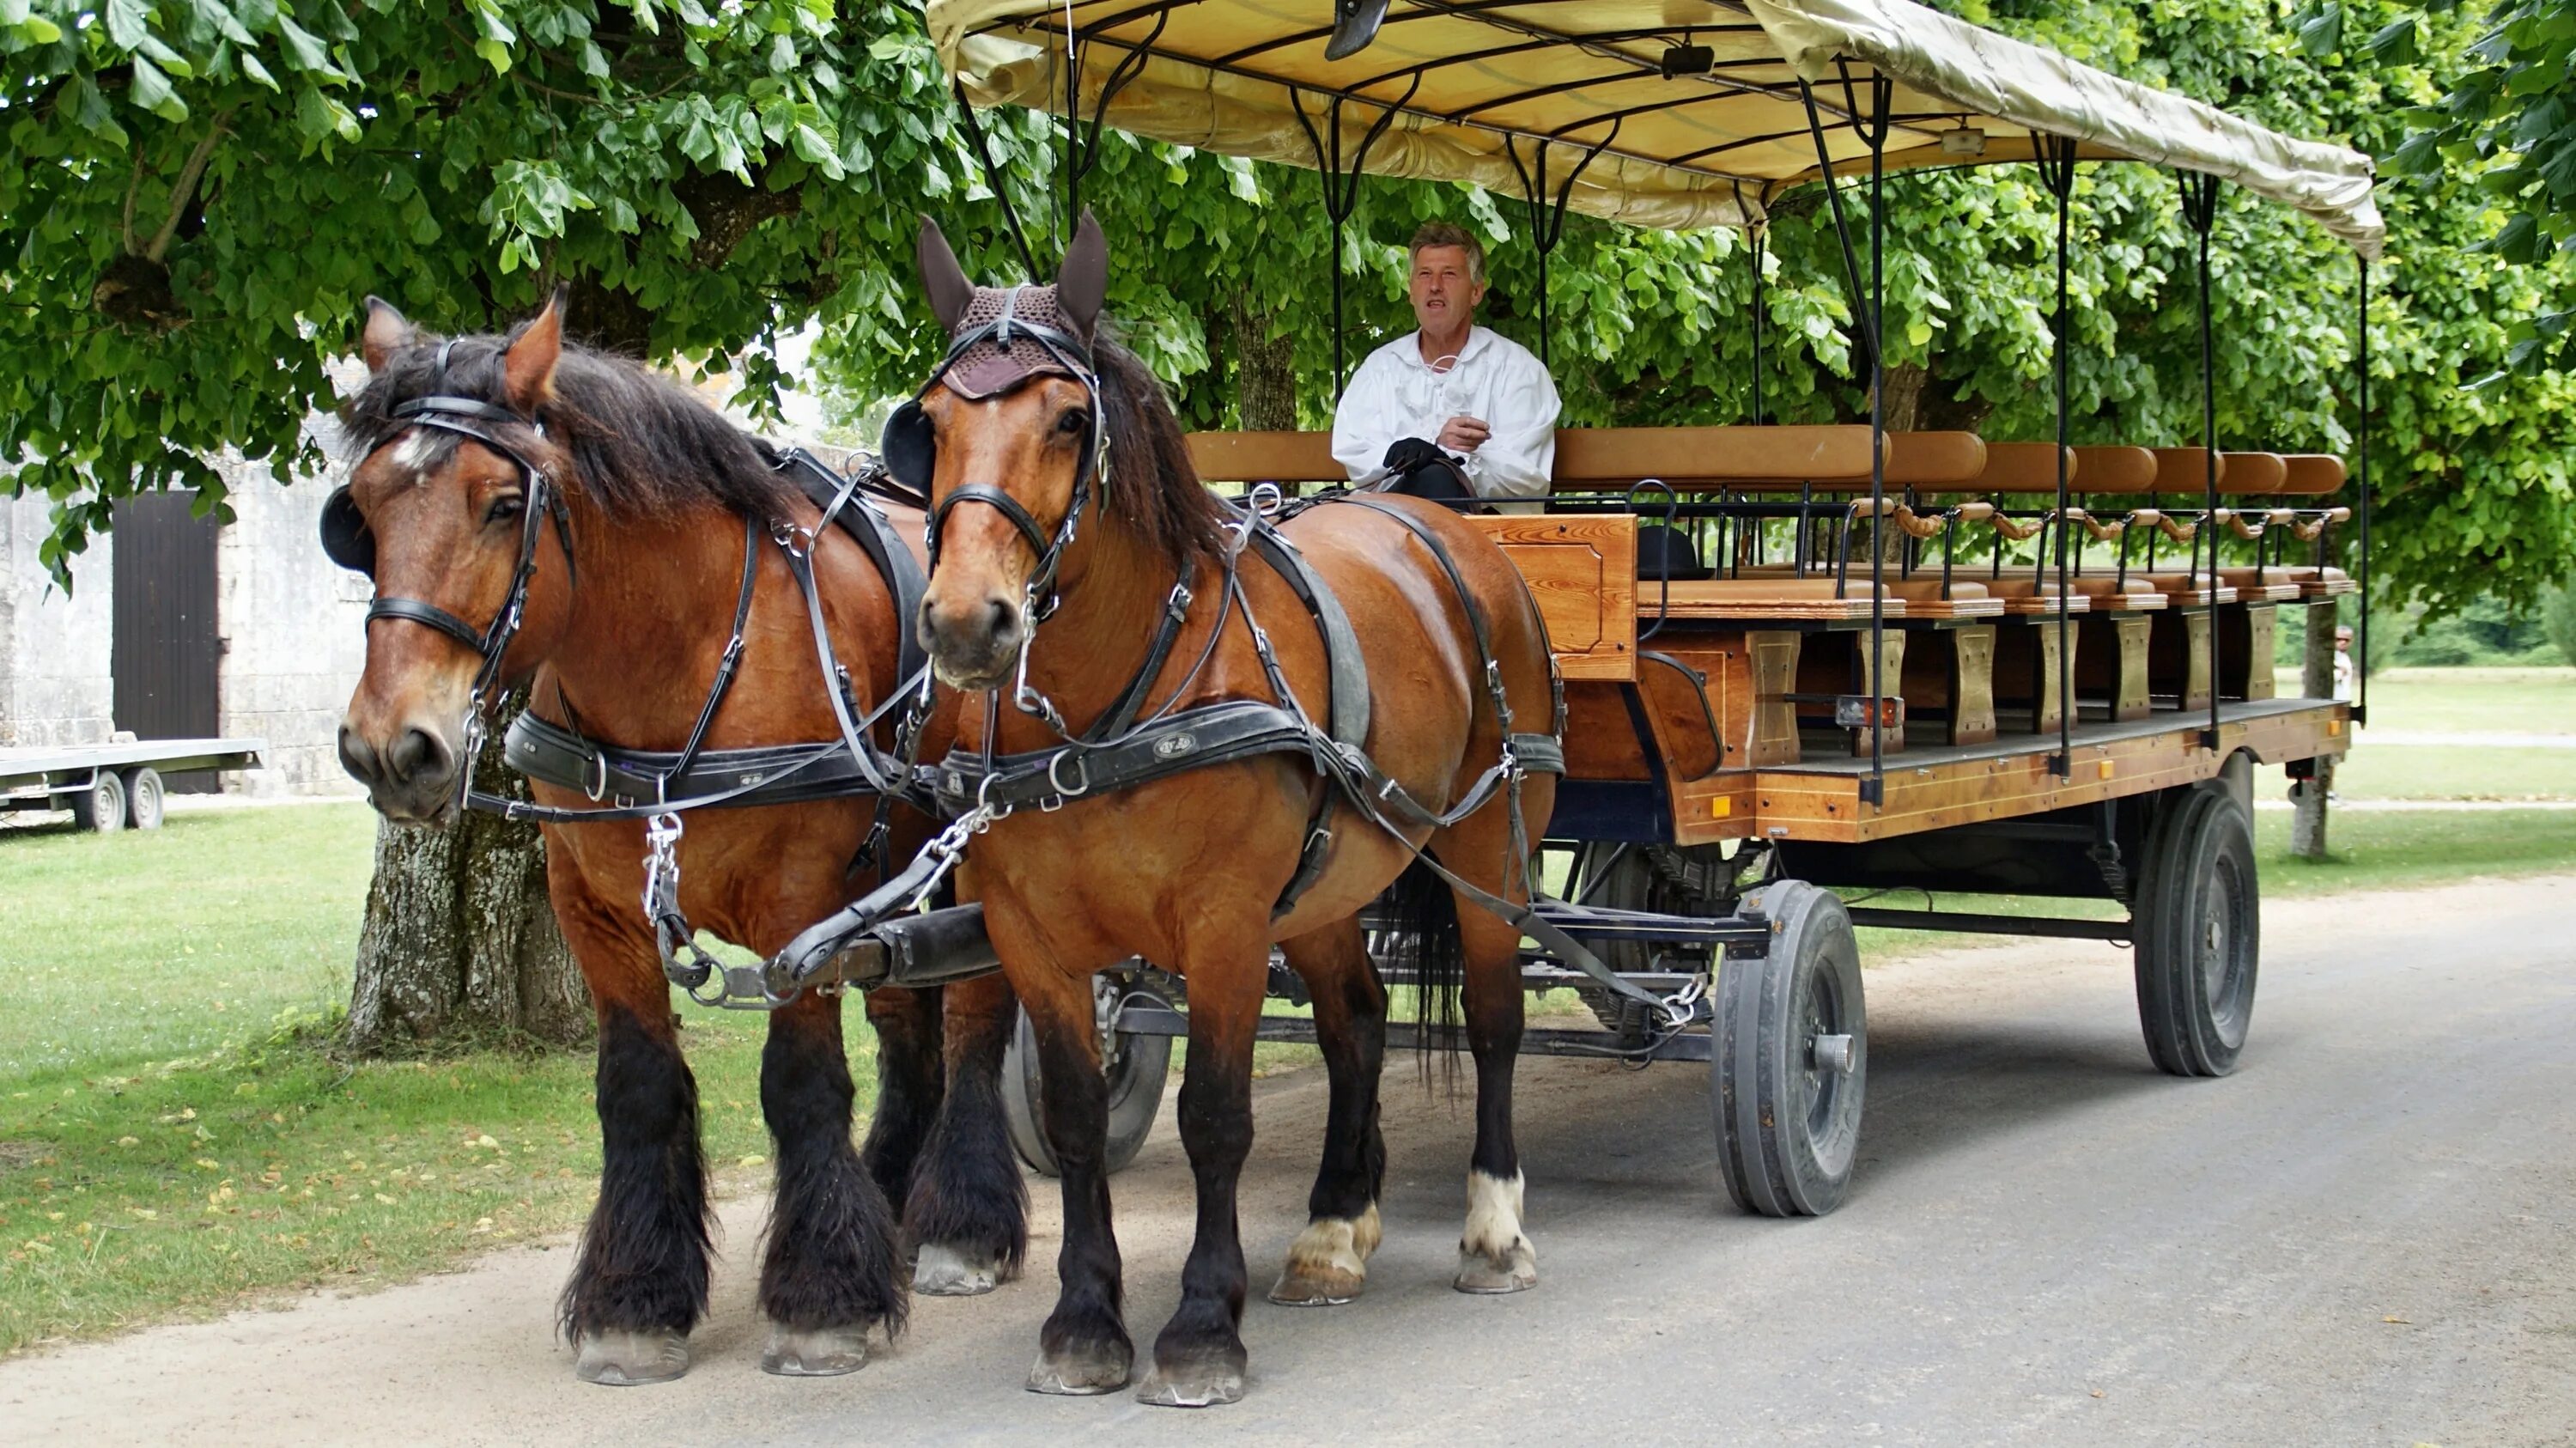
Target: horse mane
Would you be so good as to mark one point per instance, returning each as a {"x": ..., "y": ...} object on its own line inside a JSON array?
[
  {"x": 1153, "y": 485},
  {"x": 641, "y": 444}
]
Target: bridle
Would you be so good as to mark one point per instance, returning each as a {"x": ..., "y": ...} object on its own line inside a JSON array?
[
  {"x": 346, "y": 540},
  {"x": 909, "y": 450}
]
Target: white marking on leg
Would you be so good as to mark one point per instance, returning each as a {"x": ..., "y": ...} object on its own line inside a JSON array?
[{"x": 1493, "y": 1253}]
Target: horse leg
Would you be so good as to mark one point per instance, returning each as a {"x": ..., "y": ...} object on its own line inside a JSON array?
[
  {"x": 1199, "y": 1358},
  {"x": 829, "y": 1273},
  {"x": 640, "y": 1282},
  {"x": 1494, "y": 1254},
  {"x": 968, "y": 1204},
  {"x": 910, "y": 1084},
  {"x": 1083, "y": 1349},
  {"x": 1328, "y": 1263}
]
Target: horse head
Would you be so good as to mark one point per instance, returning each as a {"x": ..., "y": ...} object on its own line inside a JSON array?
[
  {"x": 445, "y": 511},
  {"x": 1005, "y": 441}
]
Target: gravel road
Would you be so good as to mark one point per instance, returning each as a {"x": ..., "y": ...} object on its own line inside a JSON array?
[{"x": 2364, "y": 1237}]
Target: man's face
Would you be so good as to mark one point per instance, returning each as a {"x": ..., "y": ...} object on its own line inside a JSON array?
[{"x": 1444, "y": 298}]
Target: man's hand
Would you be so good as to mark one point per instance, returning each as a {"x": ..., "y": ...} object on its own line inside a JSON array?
[{"x": 1463, "y": 434}]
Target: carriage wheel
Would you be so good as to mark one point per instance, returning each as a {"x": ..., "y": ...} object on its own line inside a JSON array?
[
  {"x": 100, "y": 807},
  {"x": 143, "y": 797},
  {"x": 1790, "y": 1058},
  {"x": 2199, "y": 933},
  {"x": 1136, "y": 1066}
]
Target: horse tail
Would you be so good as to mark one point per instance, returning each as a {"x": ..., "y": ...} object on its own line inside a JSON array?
[{"x": 1418, "y": 918}]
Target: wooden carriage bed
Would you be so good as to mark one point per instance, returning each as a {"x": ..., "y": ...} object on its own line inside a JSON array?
[{"x": 1688, "y": 693}]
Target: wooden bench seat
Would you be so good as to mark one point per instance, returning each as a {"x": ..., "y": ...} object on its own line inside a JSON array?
[
  {"x": 2024, "y": 594},
  {"x": 2305, "y": 580},
  {"x": 1760, "y": 599},
  {"x": 2182, "y": 590}
]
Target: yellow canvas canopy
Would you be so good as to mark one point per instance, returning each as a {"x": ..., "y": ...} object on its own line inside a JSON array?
[{"x": 1478, "y": 91}]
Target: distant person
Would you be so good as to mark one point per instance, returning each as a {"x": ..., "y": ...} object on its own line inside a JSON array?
[
  {"x": 2344, "y": 669},
  {"x": 1459, "y": 413}
]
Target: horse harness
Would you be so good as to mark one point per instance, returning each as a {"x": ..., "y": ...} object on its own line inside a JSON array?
[
  {"x": 657, "y": 786},
  {"x": 1119, "y": 751}
]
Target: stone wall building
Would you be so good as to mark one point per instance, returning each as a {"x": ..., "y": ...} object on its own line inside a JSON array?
[{"x": 289, "y": 632}]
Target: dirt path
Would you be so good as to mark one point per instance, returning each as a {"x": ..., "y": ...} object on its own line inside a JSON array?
[{"x": 2361, "y": 1238}]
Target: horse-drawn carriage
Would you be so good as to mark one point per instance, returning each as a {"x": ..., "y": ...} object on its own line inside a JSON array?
[
  {"x": 1160, "y": 723},
  {"x": 1811, "y": 688}
]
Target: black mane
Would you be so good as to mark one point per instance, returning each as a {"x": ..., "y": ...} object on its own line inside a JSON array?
[
  {"x": 1153, "y": 486},
  {"x": 641, "y": 444}
]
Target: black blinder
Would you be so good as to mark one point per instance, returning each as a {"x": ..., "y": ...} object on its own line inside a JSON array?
[
  {"x": 909, "y": 449},
  {"x": 345, "y": 536}
]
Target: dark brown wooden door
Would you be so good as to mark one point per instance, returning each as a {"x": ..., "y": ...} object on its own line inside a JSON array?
[{"x": 168, "y": 656}]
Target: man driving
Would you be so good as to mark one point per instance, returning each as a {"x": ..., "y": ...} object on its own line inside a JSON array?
[{"x": 1457, "y": 412}]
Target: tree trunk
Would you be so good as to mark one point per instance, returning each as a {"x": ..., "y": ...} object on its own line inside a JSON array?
[
  {"x": 2316, "y": 681},
  {"x": 1265, "y": 370},
  {"x": 460, "y": 944}
]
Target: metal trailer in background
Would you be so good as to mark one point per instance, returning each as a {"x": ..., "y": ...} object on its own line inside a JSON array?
[{"x": 110, "y": 786}]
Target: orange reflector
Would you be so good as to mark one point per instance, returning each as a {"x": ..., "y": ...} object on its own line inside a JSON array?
[
  {"x": 1721, "y": 807},
  {"x": 2103, "y": 769},
  {"x": 2334, "y": 728}
]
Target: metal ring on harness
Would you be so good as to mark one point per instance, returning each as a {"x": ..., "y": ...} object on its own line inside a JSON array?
[{"x": 1082, "y": 772}]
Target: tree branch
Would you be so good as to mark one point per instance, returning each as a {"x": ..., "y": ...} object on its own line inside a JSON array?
[{"x": 181, "y": 194}]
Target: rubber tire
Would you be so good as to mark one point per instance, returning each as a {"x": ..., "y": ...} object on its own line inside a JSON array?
[
  {"x": 1135, "y": 1096},
  {"x": 2200, "y": 868},
  {"x": 1778, "y": 1159},
  {"x": 145, "y": 800},
  {"x": 101, "y": 807}
]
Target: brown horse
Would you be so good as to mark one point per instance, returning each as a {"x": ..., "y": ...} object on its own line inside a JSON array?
[
  {"x": 1185, "y": 870},
  {"x": 627, "y": 601}
]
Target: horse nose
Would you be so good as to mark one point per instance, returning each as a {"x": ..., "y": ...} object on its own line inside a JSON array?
[
  {"x": 358, "y": 757},
  {"x": 974, "y": 639},
  {"x": 418, "y": 757}
]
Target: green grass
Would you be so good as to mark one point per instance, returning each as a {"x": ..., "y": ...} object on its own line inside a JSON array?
[
  {"x": 2446, "y": 771},
  {"x": 2473, "y": 701},
  {"x": 177, "y": 1137}
]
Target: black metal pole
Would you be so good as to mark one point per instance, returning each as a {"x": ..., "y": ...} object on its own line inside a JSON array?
[
  {"x": 993, "y": 179},
  {"x": 1760, "y": 235},
  {"x": 2361, "y": 665},
  {"x": 2057, "y": 169},
  {"x": 1341, "y": 193},
  {"x": 2205, "y": 219},
  {"x": 1881, "y": 94},
  {"x": 1862, "y": 322}
]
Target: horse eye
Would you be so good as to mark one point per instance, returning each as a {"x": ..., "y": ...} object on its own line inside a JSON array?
[
  {"x": 506, "y": 506},
  {"x": 1073, "y": 421}
]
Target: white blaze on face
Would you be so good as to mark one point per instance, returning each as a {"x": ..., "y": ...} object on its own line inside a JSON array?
[{"x": 412, "y": 453}]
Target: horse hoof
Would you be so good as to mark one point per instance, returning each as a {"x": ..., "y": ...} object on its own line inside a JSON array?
[
  {"x": 1513, "y": 1270},
  {"x": 946, "y": 1272},
  {"x": 821, "y": 1352},
  {"x": 1303, "y": 1288},
  {"x": 623, "y": 1359},
  {"x": 1207, "y": 1387},
  {"x": 1081, "y": 1374},
  {"x": 1328, "y": 1263}
]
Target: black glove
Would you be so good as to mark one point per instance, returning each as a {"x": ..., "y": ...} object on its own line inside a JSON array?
[{"x": 1407, "y": 453}]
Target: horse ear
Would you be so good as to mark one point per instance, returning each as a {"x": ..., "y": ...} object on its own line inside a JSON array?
[
  {"x": 941, "y": 276},
  {"x": 528, "y": 367},
  {"x": 387, "y": 332},
  {"x": 1082, "y": 283}
]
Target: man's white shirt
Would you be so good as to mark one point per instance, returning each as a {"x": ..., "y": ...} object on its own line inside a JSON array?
[{"x": 1397, "y": 394}]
